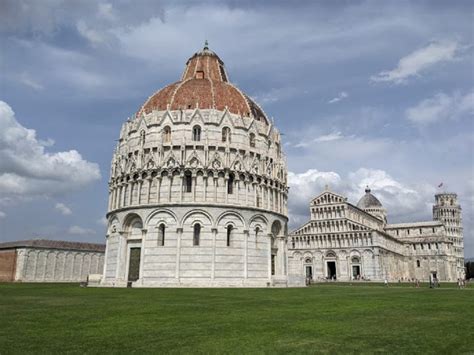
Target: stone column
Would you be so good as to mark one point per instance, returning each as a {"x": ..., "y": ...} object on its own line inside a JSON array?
[
  {"x": 111, "y": 194},
  {"x": 255, "y": 194},
  {"x": 269, "y": 191},
  {"x": 213, "y": 264},
  {"x": 142, "y": 255},
  {"x": 121, "y": 257},
  {"x": 158, "y": 189},
  {"x": 226, "y": 189},
  {"x": 215, "y": 187},
  {"x": 130, "y": 193},
  {"x": 139, "y": 197},
  {"x": 170, "y": 177},
  {"x": 148, "y": 193},
  {"x": 181, "y": 176},
  {"x": 246, "y": 185},
  {"x": 246, "y": 240},
  {"x": 123, "y": 193},
  {"x": 270, "y": 236},
  {"x": 179, "y": 233}
]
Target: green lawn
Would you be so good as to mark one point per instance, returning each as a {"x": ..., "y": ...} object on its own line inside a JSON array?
[{"x": 49, "y": 318}]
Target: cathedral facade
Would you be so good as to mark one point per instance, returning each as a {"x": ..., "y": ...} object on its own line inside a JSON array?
[
  {"x": 348, "y": 242},
  {"x": 198, "y": 188}
]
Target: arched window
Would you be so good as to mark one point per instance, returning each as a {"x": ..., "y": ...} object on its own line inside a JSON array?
[
  {"x": 355, "y": 260},
  {"x": 196, "y": 133},
  {"x": 257, "y": 230},
  {"x": 252, "y": 140},
  {"x": 308, "y": 261},
  {"x": 161, "y": 234},
  {"x": 226, "y": 134},
  {"x": 230, "y": 184},
  {"x": 167, "y": 134},
  {"x": 418, "y": 263},
  {"x": 188, "y": 182},
  {"x": 229, "y": 234},
  {"x": 196, "y": 234}
]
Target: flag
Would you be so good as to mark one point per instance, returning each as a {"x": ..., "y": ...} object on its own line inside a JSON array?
[{"x": 440, "y": 185}]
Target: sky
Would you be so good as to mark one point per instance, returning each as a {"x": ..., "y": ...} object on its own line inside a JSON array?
[{"x": 364, "y": 93}]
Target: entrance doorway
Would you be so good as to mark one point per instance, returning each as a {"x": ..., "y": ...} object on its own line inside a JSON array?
[
  {"x": 331, "y": 270},
  {"x": 309, "y": 272},
  {"x": 355, "y": 272},
  {"x": 134, "y": 264}
]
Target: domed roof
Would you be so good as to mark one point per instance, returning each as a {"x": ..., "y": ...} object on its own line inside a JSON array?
[
  {"x": 368, "y": 201},
  {"x": 205, "y": 85}
]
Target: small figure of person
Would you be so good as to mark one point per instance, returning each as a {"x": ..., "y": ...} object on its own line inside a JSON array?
[{"x": 385, "y": 282}]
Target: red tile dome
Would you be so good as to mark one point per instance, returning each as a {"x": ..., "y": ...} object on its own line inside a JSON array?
[{"x": 204, "y": 84}]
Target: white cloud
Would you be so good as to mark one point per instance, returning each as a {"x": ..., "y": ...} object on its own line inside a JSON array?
[
  {"x": 63, "y": 209},
  {"x": 279, "y": 94},
  {"x": 320, "y": 139},
  {"x": 329, "y": 137},
  {"x": 418, "y": 61},
  {"x": 402, "y": 201},
  {"x": 27, "y": 169},
  {"x": 441, "y": 107},
  {"x": 94, "y": 36},
  {"x": 102, "y": 221},
  {"x": 2, "y": 214},
  {"x": 28, "y": 81},
  {"x": 77, "y": 230},
  {"x": 341, "y": 96}
]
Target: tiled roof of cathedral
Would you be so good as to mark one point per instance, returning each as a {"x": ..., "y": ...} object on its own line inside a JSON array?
[
  {"x": 53, "y": 244},
  {"x": 205, "y": 85},
  {"x": 368, "y": 201}
]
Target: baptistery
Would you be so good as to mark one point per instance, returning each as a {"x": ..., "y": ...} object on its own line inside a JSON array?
[{"x": 198, "y": 188}]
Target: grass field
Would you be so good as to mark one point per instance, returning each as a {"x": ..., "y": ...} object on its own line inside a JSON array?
[{"x": 328, "y": 318}]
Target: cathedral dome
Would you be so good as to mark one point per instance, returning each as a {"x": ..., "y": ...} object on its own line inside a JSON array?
[
  {"x": 205, "y": 85},
  {"x": 368, "y": 201}
]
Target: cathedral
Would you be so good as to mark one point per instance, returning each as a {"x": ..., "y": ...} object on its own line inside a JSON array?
[
  {"x": 198, "y": 198},
  {"x": 348, "y": 242}
]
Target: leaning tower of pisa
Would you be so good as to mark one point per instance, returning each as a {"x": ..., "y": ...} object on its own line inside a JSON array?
[{"x": 448, "y": 211}]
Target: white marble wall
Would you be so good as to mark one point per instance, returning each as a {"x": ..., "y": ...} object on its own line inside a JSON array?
[
  {"x": 55, "y": 265},
  {"x": 245, "y": 262}
]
